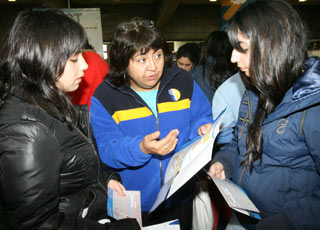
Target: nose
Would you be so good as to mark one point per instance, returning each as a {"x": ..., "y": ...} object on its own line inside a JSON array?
[
  {"x": 184, "y": 67},
  {"x": 83, "y": 63},
  {"x": 235, "y": 56},
  {"x": 152, "y": 64}
]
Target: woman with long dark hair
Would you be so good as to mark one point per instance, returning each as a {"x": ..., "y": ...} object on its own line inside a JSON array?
[
  {"x": 215, "y": 65},
  {"x": 275, "y": 155},
  {"x": 50, "y": 173}
]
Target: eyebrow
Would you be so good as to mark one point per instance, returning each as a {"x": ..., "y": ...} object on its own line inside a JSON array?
[
  {"x": 139, "y": 54},
  {"x": 243, "y": 42},
  {"x": 144, "y": 53}
]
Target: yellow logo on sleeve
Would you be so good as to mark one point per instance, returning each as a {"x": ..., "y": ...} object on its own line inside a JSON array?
[{"x": 174, "y": 94}]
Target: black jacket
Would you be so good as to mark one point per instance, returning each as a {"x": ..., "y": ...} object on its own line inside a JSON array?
[{"x": 49, "y": 173}]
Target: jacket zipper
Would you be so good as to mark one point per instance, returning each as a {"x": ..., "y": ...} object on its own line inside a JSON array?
[
  {"x": 160, "y": 158},
  {"x": 95, "y": 153},
  {"x": 246, "y": 120},
  {"x": 157, "y": 122},
  {"x": 92, "y": 147}
]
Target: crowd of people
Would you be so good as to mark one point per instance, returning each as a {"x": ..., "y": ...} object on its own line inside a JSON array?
[{"x": 73, "y": 125}]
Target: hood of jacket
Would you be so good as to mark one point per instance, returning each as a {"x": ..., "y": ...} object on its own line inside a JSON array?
[{"x": 304, "y": 92}]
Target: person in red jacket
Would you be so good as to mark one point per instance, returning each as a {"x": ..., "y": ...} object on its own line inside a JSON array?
[{"x": 93, "y": 76}]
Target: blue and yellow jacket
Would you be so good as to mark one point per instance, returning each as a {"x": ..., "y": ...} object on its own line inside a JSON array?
[{"x": 120, "y": 120}]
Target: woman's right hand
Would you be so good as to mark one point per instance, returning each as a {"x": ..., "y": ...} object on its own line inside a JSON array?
[
  {"x": 217, "y": 171},
  {"x": 151, "y": 144}
]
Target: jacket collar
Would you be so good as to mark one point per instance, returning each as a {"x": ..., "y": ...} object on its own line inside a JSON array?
[{"x": 309, "y": 82}]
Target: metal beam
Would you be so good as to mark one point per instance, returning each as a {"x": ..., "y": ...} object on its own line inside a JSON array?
[
  {"x": 165, "y": 11},
  {"x": 55, "y": 3}
]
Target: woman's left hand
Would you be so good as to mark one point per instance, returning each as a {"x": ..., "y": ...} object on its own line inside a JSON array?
[
  {"x": 203, "y": 129},
  {"x": 117, "y": 186}
]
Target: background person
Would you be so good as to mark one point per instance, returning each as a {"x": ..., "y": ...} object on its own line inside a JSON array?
[
  {"x": 275, "y": 155},
  {"x": 215, "y": 65},
  {"x": 93, "y": 76},
  {"x": 50, "y": 175},
  {"x": 228, "y": 96},
  {"x": 188, "y": 56},
  {"x": 143, "y": 112}
]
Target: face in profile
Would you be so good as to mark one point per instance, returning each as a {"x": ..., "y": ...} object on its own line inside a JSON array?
[
  {"x": 72, "y": 74},
  {"x": 185, "y": 63},
  {"x": 242, "y": 57},
  {"x": 145, "y": 70}
]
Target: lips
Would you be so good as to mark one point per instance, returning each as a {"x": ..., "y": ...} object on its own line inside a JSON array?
[
  {"x": 152, "y": 78},
  {"x": 79, "y": 79},
  {"x": 243, "y": 69}
]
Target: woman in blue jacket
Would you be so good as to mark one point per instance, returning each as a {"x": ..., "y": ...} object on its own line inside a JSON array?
[
  {"x": 275, "y": 153},
  {"x": 143, "y": 112}
]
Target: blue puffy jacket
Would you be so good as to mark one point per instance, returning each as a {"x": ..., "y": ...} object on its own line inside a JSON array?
[{"x": 285, "y": 184}]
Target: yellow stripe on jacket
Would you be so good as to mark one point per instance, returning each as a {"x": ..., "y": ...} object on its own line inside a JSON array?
[{"x": 131, "y": 114}]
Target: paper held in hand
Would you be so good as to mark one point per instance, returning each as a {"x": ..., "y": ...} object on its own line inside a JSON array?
[
  {"x": 120, "y": 207},
  {"x": 169, "y": 225},
  {"x": 236, "y": 197},
  {"x": 184, "y": 164}
]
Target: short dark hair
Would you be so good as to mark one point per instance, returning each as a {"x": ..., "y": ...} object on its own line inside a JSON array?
[
  {"x": 138, "y": 34},
  {"x": 278, "y": 49},
  {"x": 191, "y": 51},
  {"x": 34, "y": 55}
]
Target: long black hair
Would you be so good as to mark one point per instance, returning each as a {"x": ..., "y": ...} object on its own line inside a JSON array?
[
  {"x": 278, "y": 49},
  {"x": 218, "y": 47},
  {"x": 138, "y": 34},
  {"x": 34, "y": 56}
]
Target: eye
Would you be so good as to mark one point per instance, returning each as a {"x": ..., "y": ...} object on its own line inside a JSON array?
[
  {"x": 244, "y": 50},
  {"x": 158, "y": 55},
  {"x": 74, "y": 60},
  {"x": 141, "y": 60}
]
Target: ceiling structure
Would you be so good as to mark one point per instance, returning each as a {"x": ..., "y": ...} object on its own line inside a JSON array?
[
  {"x": 165, "y": 8},
  {"x": 134, "y": 2},
  {"x": 178, "y": 19}
]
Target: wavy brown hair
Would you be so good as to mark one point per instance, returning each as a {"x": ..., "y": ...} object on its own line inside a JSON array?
[{"x": 138, "y": 34}]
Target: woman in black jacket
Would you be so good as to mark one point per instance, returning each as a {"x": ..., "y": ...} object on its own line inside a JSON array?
[{"x": 50, "y": 172}]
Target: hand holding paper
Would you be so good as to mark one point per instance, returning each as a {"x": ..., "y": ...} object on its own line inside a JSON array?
[
  {"x": 236, "y": 197},
  {"x": 120, "y": 207},
  {"x": 184, "y": 164},
  {"x": 216, "y": 170}
]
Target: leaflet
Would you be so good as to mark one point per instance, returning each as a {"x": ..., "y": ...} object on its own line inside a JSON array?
[
  {"x": 170, "y": 225},
  {"x": 236, "y": 197},
  {"x": 184, "y": 164},
  {"x": 120, "y": 207}
]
